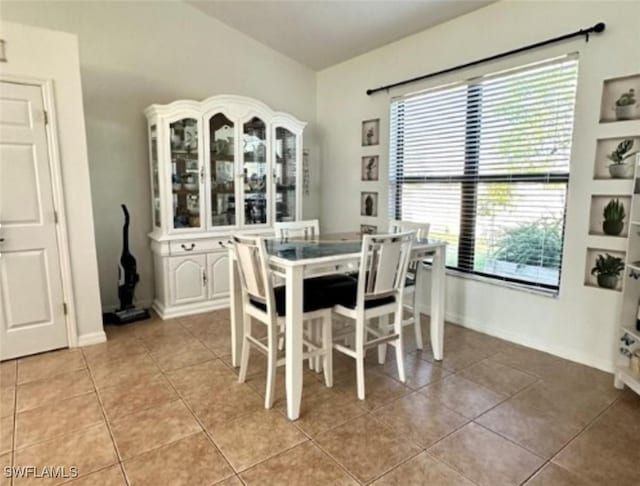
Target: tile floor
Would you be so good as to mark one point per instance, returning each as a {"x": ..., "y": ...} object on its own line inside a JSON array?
[{"x": 160, "y": 404}]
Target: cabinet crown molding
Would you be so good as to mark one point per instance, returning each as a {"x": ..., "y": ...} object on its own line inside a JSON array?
[{"x": 239, "y": 107}]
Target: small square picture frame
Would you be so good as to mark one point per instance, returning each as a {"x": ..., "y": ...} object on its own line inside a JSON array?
[
  {"x": 370, "y": 168},
  {"x": 371, "y": 132},
  {"x": 369, "y": 204},
  {"x": 368, "y": 229}
]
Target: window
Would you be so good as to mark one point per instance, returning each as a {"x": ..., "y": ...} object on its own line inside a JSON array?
[{"x": 486, "y": 162}]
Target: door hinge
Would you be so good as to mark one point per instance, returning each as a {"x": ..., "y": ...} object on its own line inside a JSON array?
[
  {"x": 55, "y": 217},
  {"x": 64, "y": 308},
  {"x": 46, "y": 117}
]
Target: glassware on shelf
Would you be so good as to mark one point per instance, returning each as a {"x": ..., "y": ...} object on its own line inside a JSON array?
[
  {"x": 255, "y": 171},
  {"x": 222, "y": 171},
  {"x": 185, "y": 173},
  {"x": 285, "y": 174}
]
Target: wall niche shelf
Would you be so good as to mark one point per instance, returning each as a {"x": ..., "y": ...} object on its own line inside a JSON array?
[
  {"x": 607, "y": 146},
  {"x": 598, "y": 203},
  {"x": 620, "y": 99},
  {"x": 592, "y": 254}
]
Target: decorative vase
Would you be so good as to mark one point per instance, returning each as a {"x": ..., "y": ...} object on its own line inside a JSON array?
[
  {"x": 624, "y": 112},
  {"x": 612, "y": 228},
  {"x": 620, "y": 171},
  {"x": 607, "y": 281}
]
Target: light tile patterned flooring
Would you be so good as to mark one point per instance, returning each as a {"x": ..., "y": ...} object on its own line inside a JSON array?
[{"x": 160, "y": 404}]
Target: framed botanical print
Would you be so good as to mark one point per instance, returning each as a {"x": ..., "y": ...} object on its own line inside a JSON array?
[
  {"x": 371, "y": 132},
  {"x": 370, "y": 165},
  {"x": 369, "y": 204}
]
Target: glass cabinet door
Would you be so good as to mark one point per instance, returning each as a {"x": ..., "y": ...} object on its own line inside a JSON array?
[
  {"x": 222, "y": 171},
  {"x": 254, "y": 149},
  {"x": 285, "y": 174},
  {"x": 185, "y": 173},
  {"x": 155, "y": 178}
]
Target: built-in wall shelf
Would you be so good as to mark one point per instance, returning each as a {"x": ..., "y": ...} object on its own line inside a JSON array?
[{"x": 619, "y": 100}]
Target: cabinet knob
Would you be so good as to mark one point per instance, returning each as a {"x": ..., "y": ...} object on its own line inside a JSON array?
[{"x": 185, "y": 248}]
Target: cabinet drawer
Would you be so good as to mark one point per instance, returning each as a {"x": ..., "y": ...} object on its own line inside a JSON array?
[{"x": 184, "y": 247}]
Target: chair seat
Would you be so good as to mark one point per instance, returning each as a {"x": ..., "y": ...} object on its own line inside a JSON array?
[
  {"x": 319, "y": 293},
  {"x": 344, "y": 293}
]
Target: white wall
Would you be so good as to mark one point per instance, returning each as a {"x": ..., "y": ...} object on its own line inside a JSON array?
[
  {"x": 578, "y": 324},
  {"x": 56, "y": 59},
  {"x": 133, "y": 54}
]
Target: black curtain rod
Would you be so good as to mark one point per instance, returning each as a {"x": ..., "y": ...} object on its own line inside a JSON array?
[{"x": 597, "y": 29}]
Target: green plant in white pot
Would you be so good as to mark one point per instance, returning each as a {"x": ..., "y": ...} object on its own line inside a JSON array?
[
  {"x": 614, "y": 215},
  {"x": 620, "y": 168},
  {"x": 625, "y": 105},
  {"x": 607, "y": 270}
]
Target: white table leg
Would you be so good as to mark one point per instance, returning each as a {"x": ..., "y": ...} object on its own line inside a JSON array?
[
  {"x": 438, "y": 283},
  {"x": 235, "y": 301},
  {"x": 293, "y": 340}
]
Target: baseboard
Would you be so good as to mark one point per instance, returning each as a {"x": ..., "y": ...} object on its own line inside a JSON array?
[
  {"x": 169, "y": 312},
  {"x": 564, "y": 352},
  {"x": 92, "y": 338}
]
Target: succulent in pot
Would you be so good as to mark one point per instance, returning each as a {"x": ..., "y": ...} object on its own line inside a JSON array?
[
  {"x": 620, "y": 168},
  {"x": 607, "y": 270},
  {"x": 625, "y": 105},
  {"x": 613, "y": 218}
]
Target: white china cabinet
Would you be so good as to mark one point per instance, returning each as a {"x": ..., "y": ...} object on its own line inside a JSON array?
[{"x": 223, "y": 165}]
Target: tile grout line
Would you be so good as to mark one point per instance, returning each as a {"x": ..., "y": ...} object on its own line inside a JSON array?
[
  {"x": 106, "y": 421},
  {"x": 586, "y": 427},
  {"x": 188, "y": 407}
]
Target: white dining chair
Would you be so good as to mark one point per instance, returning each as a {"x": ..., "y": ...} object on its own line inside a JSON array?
[
  {"x": 266, "y": 304},
  {"x": 305, "y": 229},
  {"x": 377, "y": 291},
  {"x": 422, "y": 233}
]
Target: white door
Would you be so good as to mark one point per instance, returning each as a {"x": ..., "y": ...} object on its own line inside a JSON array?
[
  {"x": 188, "y": 279},
  {"x": 218, "y": 264},
  {"x": 31, "y": 299}
]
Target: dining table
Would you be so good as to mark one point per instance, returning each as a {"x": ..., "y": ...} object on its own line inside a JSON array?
[{"x": 293, "y": 260}]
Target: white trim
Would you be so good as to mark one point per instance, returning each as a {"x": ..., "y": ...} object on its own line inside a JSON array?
[
  {"x": 169, "y": 312},
  {"x": 57, "y": 186},
  {"x": 568, "y": 353},
  {"x": 92, "y": 338}
]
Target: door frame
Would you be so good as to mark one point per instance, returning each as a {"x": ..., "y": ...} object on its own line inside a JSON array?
[{"x": 57, "y": 186}]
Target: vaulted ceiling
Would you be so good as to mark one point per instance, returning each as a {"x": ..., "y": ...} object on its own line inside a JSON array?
[{"x": 320, "y": 34}]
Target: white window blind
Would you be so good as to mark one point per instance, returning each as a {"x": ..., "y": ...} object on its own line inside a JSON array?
[{"x": 486, "y": 162}]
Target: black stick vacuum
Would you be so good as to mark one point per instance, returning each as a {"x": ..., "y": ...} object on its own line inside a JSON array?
[{"x": 128, "y": 278}]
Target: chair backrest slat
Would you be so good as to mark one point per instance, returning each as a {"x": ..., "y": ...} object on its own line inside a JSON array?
[
  {"x": 421, "y": 229},
  {"x": 306, "y": 230},
  {"x": 383, "y": 265},
  {"x": 251, "y": 254},
  {"x": 422, "y": 233}
]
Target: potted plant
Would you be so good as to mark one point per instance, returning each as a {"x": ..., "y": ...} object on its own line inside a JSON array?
[
  {"x": 607, "y": 270},
  {"x": 625, "y": 105},
  {"x": 619, "y": 169},
  {"x": 613, "y": 218}
]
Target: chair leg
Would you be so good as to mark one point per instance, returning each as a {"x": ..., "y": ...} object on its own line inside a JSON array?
[
  {"x": 272, "y": 357},
  {"x": 281, "y": 339},
  {"x": 399, "y": 345},
  {"x": 416, "y": 319},
  {"x": 246, "y": 349},
  {"x": 327, "y": 345},
  {"x": 360, "y": 360},
  {"x": 310, "y": 337},
  {"x": 383, "y": 324},
  {"x": 317, "y": 338}
]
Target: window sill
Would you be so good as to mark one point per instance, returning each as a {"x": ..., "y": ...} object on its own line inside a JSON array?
[{"x": 502, "y": 283}]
